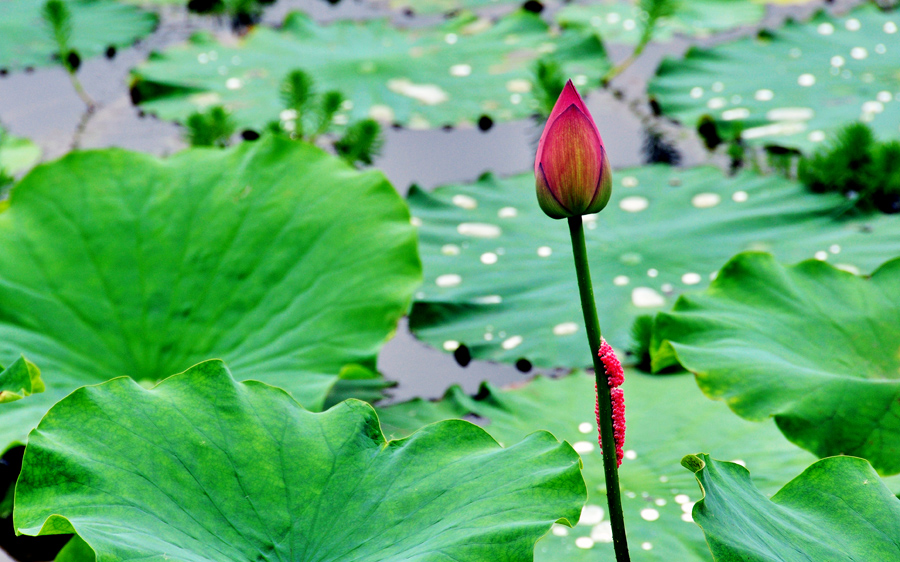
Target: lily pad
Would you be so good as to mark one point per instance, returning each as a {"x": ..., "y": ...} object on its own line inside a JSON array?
[
  {"x": 620, "y": 22},
  {"x": 17, "y": 154},
  {"x": 26, "y": 41},
  {"x": 837, "y": 509},
  {"x": 499, "y": 275},
  {"x": 814, "y": 347},
  {"x": 794, "y": 86},
  {"x": 273, "y": 255},
  {"x": 666, "y": 416},
  {"x": 445, "y": 6},
  {"x": 447, "y": 75},
  {"x": 19, "y": 380},
  {"x": 202, "y": 468}
]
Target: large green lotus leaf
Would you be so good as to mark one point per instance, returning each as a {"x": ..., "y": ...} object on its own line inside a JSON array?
[
  {"x": 666, "y": 416},
  {"x": 27, "y": 41},
  {"x": 620, "y": 22},
  {"x": 837, "y": 509},
  {"x": 202, "y": 468},
  {"x": 813, "y": 346},
  {"x": 445, "y": 6},
  {"x": 499, "y": 275},
  {"x": 273, "y": 255},
  {"x": 794, "y": 86},
  {"x": 422, "y": 78},
  {"x": 17, "y": 154}
]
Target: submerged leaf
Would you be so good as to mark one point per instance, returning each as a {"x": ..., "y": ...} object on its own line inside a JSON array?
[
  {"x": 793, "y": 86},
  {"x": 422, "y": 78},
  {"x": 95, "y": 25},
  {"x": 499, "y": 276},
  {"x": 621, "y": 22}
]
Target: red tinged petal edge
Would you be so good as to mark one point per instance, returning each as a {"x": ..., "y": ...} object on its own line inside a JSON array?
[
  {"x": 567, "y": 98},
  {"x": 615, "y": 377}
]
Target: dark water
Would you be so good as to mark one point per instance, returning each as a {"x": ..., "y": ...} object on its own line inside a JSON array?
[{"x": 42, "y": 106}]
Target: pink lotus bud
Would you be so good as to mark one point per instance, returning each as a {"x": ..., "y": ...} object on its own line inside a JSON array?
[
  {"x": 571, "y": 170},
  {"x": 616, "y": 376}
]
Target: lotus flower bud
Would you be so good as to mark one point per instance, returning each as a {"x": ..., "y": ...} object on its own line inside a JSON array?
[{"x": 571, "y": 170}]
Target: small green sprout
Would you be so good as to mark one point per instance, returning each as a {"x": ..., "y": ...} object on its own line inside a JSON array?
[
  {"x": 361, "y": 142},
  {"x": 853, "y": 162},
  {"x": 214, "y": 127}
]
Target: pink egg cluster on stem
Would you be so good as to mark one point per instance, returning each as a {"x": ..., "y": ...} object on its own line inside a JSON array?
[{"x": 615, "y": 377}]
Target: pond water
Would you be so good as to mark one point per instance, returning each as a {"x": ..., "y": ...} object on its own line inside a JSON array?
[{"x": 41, "y": 105}]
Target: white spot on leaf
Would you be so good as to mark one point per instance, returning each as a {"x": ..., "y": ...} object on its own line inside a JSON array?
[
  {"x": 488, "y": 258},
  {"x": 634, "y": 203},
  {"x": 460, "y": 70},
  {"x": 448, "y": 280},
  {"x": 583, "y": 447},
  {"x": 645, "y": 297},
  {"x": 464, "y": 201},
  {"x": 479, "y": 230},
  {"x": 565, "y": 329},
  {"x": 591, "y": 515},
  {"x": 511, "y": 342},
  {"x": 706, "y": 200},
  {"x": 429, "y": 94}
]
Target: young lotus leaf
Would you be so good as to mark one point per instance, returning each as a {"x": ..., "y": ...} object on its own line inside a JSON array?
[
  {"x": 499, "y": 275},
  {"x": 421, "y": 78},
  {"x": 16, "y": 154},
  {"x": 19, "y": 380},
  {"x": 812, "y": 346},
  {"x": 202, "y": 468},
  {"x": 274, "y": 256},
  {"x": 837, "y": 509},
  {"x": 621, "y": 22},
  {"x": 666, "y": 416},
  {"x": 27, "y": 41},
  {"x": 794, "y": 86}
]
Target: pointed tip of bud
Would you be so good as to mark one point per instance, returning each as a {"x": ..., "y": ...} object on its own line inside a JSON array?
[{"x": 572, "y": 173}]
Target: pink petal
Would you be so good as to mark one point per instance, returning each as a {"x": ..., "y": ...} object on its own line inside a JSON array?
[
  {"x": 567, "y": 98},
  {"x": 572, "y": 160}
]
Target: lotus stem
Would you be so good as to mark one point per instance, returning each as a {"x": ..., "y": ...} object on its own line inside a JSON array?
[{"x": 604, "y": 397}]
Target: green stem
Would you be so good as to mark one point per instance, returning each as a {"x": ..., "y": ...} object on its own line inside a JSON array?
[
  {"x": 79, "y": 89},
  {"x": 604, "y": 401},
  {"x": 620, "y": 68}
]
